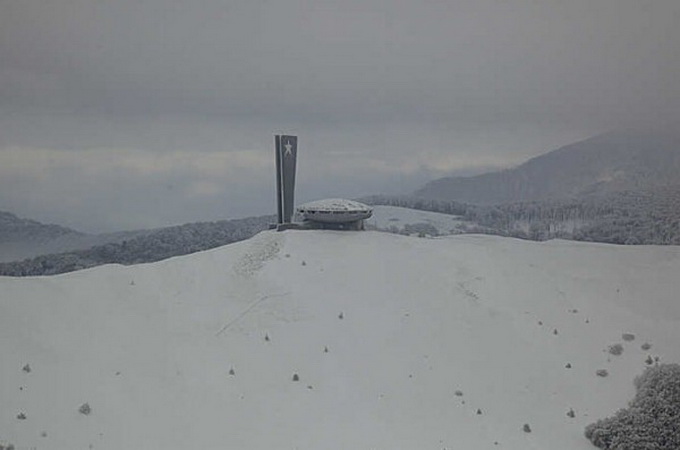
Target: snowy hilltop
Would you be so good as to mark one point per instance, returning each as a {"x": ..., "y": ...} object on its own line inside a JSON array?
[{"x": 337, "y": 340}]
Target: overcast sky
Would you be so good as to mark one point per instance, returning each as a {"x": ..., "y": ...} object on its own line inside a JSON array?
[{"x": 120, "y": 114}]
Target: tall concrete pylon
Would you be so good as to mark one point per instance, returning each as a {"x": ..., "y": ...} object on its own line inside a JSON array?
[{"x": 286, "y": 157}]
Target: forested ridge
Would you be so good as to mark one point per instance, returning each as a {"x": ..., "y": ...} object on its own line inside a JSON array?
[{"x": 155, "y": 246}]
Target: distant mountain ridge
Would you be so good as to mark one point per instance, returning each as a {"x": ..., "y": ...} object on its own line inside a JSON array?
[
  {"x": 612, "y": 162},
  {"x": 25, "y": 238},
  {"x": 16, "y": 229}
]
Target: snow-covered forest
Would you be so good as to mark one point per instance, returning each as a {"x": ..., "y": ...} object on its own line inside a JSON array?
[{"x": 651, "y": 217}]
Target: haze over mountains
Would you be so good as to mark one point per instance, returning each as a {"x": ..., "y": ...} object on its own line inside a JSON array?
[{"x": 613, "y": 162}]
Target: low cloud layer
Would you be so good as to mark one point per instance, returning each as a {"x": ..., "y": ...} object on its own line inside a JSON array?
[{"x": 128, "y": 114}]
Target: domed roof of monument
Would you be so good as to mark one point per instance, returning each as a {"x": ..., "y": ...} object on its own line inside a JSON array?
[
  {"x": 335, "y": 210},
  {"x": 335, "y": 204}
]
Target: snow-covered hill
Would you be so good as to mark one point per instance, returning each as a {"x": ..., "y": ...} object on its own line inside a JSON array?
[{"x": 336, "y": 340}]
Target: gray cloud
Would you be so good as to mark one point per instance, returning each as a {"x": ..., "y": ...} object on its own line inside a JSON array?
[{"x": 384, "y": 94}]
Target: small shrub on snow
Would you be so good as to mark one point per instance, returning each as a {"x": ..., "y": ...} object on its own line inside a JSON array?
[
  {"x": 652, "y": 419},
  {"x": 85, "y": 409},
  {"x": 602, "y": 373},
  {"x": 616, "y": 349}
]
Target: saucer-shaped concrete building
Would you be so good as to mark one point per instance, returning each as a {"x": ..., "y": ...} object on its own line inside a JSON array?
[{"x": 335, "y": 214}]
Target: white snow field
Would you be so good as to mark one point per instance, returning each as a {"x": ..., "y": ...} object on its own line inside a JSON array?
[
  {"x": 386, "y": 217},
  {"x": 382, "y": 330}
]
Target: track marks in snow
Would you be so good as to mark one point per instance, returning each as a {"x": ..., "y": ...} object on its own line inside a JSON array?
[
  {"x": 469, "y": 293},
  {"x": 243, "y": 313},
  {"x": 261, "y": 248}
]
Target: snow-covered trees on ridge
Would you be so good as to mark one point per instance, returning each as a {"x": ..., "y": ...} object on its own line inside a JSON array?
[
  {"x": 652, "y": 419},
  {"x": 651, "y": 217}
]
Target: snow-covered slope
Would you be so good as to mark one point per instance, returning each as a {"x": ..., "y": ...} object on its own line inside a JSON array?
[{"x": 382, "y": 330}]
